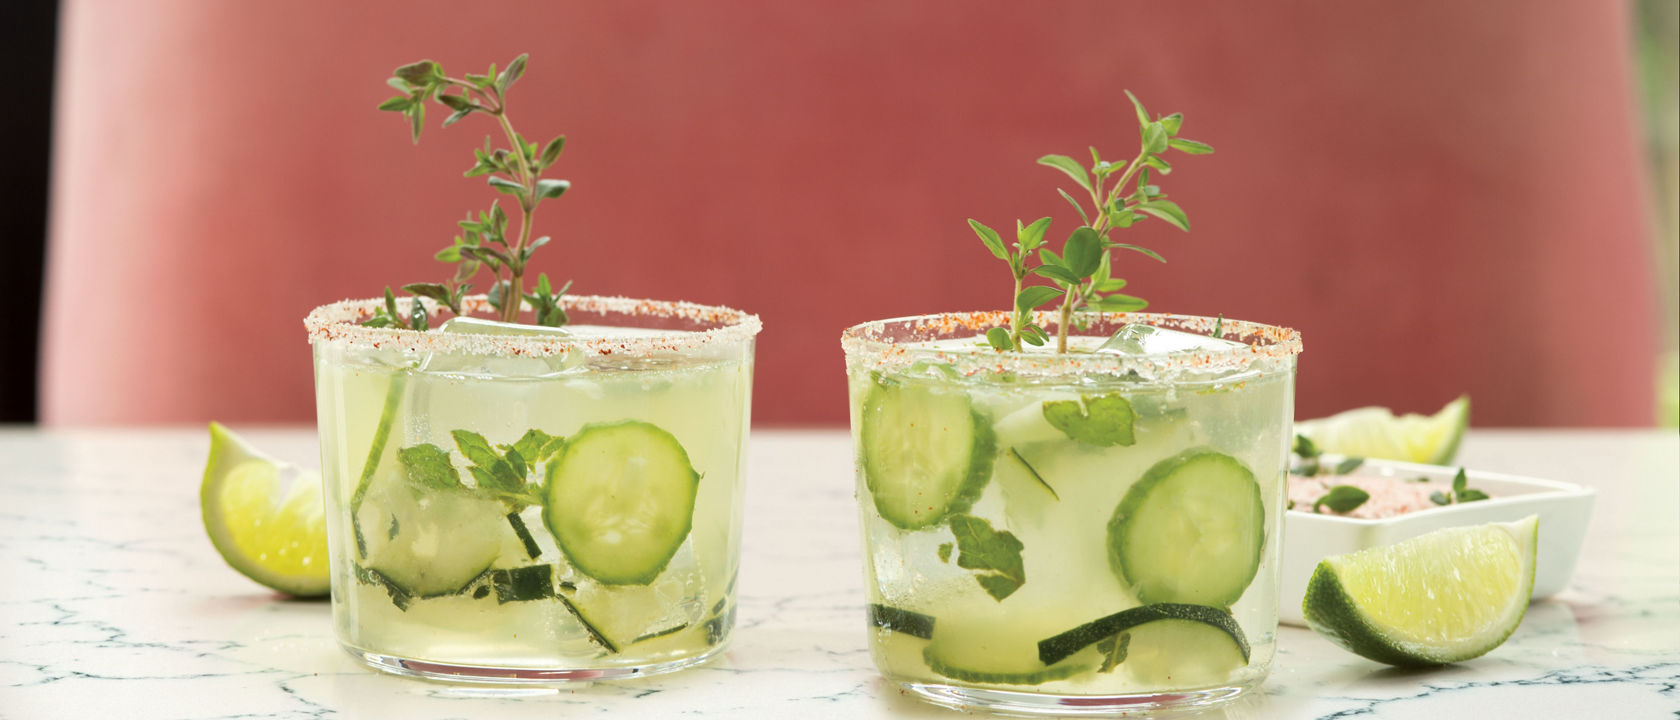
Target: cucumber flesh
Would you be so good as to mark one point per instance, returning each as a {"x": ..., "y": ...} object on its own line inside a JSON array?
[
  {"x": 427, "y": 543},
  {"x": 620, "y": 501},
  {"x": 990, "y": 650},
  {"x": 1183, "y": 653},
  {"x": 926, "y": 453},
  {"x": 1189, "y": 531}
]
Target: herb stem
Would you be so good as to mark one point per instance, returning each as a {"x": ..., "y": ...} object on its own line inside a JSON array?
[
  {"x": 1101, "y": 226},
  {"x": 515, "y": 297}
]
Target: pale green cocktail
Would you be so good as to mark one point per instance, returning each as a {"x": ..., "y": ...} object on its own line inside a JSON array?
[
  {"x": 529, "y": 505},
  {"x": 1092, "y": 532}
]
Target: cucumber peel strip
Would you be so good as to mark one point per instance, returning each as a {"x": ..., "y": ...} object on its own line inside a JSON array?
[{"x": 1054, "y": 649}]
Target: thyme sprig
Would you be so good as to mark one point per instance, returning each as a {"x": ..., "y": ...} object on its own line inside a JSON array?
[
  {"x": 515, "y": 170},
  {"x": 1083, "y": 273}
]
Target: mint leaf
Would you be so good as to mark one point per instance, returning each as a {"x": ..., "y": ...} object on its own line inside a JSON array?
[
  {"x": 944, "y": 552},
  {"x": 1070, "y": 166},
  {"x": 1103, "y": 420},
  {"x": 1167, "y": 210},
  {"x": 1304, "y": 446},
  {"x": 1189, "y": 147},
  {"x": 428, "y": 466},
  {"x": 530, "y": 445},
  {"x": 491, "y": 470},
  {"x": 990, "y": 238},
  {"x": 998, "y": 338},
  {"x": 1032, "y": 236},
  {"x": 1342, "y": 498},
  {"x": 996, "y": 554},
  {"x": 1057, "y": 273},
  {"x": 1461, "y": 482},
  {"x": 1083, "y": 252},
  {"x": 1034, "y": 296}
]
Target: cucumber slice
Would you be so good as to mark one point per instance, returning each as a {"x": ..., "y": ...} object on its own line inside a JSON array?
[
  {"x": 1052, "y": 650},
  {"x": 426, "y": 543},
  {"x": 620, "y": 501},
  {"x": 1189, "y": 531},
  {"x": 997, "y": 648},
  {"x": 926, "y": 453},
  {"x": 910, "y": 623}
]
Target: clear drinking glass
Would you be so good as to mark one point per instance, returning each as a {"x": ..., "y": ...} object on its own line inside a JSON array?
[
  {"x": 1088, "y": 533},
  {"x": 509, "y": 504}
]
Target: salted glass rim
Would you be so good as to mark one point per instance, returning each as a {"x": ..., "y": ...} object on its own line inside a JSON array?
[
  {"x": 340, "y": 323},
  {"x": 867, "y": 344}
]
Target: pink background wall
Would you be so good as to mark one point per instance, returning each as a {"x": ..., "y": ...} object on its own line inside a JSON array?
[{"x": 1444, "y": 197}]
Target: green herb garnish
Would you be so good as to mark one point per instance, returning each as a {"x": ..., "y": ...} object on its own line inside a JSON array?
[
  {"x": 511, "y": 170},
  {"x": 995, "y": 554},
  {"x": 1342, "y": 498},
  {"x": 1461, "y": 492},
  {"x": 1083, "y": 273},
  {"x": 1101, "y": 420}
]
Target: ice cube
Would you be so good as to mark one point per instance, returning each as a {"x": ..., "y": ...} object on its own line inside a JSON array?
[
  {"x": 1140, "y": 339},
  {"x": 501, "y": 366},
  {"x": 480, "y": 326}
]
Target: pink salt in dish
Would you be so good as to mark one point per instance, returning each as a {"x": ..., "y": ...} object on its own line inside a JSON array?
[{"x": 1390, "y": 496}]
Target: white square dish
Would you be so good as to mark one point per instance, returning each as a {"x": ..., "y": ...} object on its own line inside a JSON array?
[{"x": 1564, "y": 510}]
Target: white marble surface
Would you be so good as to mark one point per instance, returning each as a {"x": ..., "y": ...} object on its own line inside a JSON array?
[{"x": 114, "y": 605}]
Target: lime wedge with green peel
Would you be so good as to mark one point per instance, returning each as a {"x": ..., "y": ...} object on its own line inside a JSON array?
[
  {"x": 1375, "y": 432},
  {"x": 265, "y": 516},
  {"x": 1444, "y": 597}
]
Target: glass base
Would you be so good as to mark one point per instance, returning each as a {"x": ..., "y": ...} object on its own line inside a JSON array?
[
  {"x": 492, "y": 675},
  {"x": 1007, "y": 702}
]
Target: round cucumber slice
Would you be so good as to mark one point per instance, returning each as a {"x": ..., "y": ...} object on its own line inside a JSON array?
[
  {"x": 1189, "y": 531},
  {"x": 926, "y": 453},
  {"x": 428, "y": 542},
  {"x": 620, "y": 501}
]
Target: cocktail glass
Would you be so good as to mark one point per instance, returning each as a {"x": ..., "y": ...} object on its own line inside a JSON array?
[
  {"x": 1088, "y": 533},
  {"x": 523, "y": 505}
]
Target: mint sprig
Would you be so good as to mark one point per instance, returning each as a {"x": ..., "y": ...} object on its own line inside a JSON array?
[
  {"x": 514, "y": 170},
  {"x": 1082, "y": 275}
]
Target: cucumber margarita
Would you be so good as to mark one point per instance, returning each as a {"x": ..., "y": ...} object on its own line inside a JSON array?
[
  {"x": 1083, "y": 532},
  {"x": 511, "y": 503}
]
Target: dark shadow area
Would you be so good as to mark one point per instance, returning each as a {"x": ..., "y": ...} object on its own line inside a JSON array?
[{"x": 28, "y": 42}]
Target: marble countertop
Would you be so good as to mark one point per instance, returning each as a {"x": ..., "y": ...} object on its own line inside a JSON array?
[{"x": 114, "y": 605}]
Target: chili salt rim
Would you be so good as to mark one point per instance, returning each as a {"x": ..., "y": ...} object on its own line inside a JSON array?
[
  {"x": 339, "y": 322},
  {"x": 1262, "y": 343}
]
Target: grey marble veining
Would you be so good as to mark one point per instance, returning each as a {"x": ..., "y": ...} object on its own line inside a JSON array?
[{"x": 113, "y": 604}]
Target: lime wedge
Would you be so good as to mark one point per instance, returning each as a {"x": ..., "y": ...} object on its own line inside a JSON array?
[
  {"x": 264, "y": 516},
  {"x": 1374, "y": 432},
  {"x": 1444, "y": 597}
]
